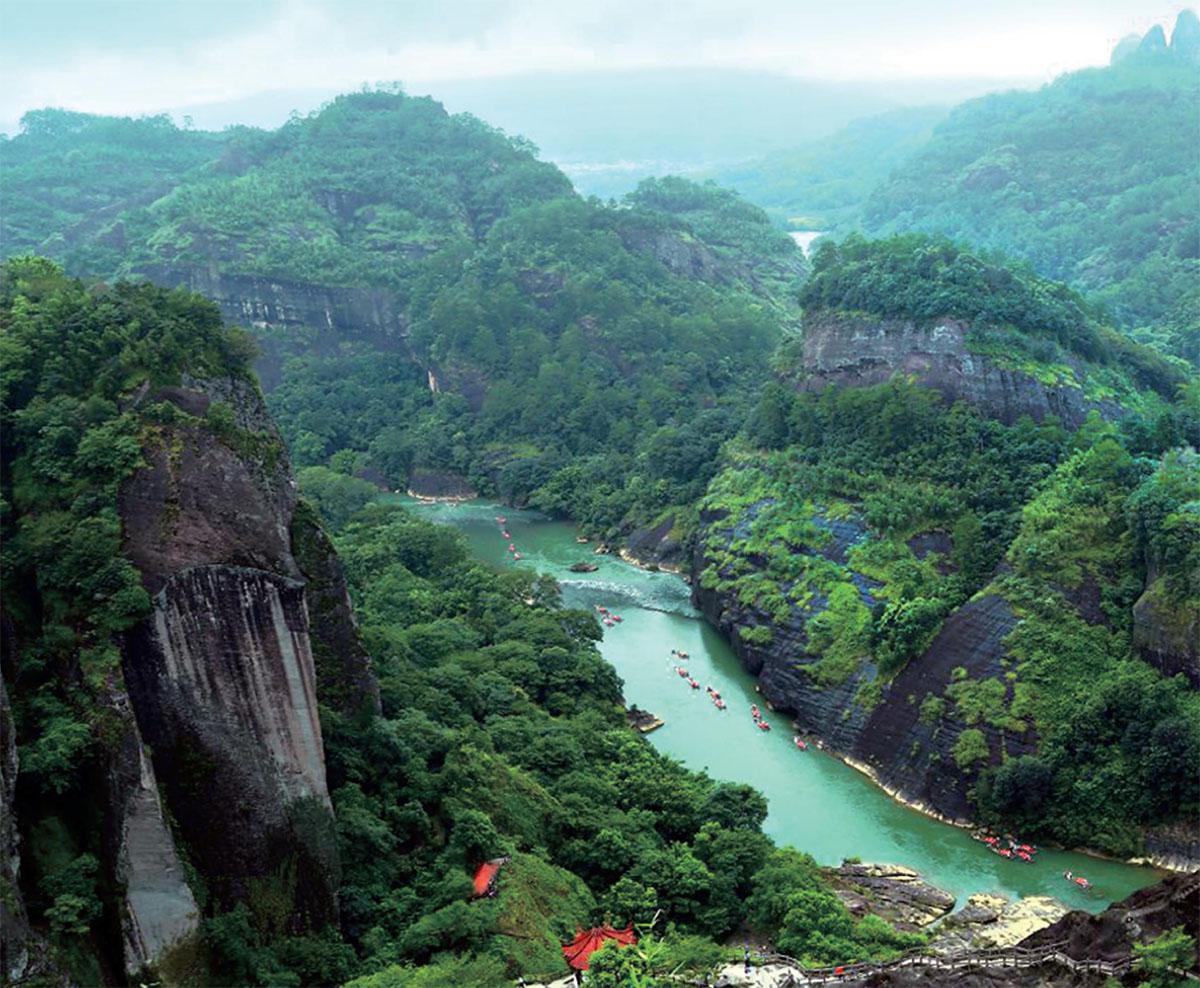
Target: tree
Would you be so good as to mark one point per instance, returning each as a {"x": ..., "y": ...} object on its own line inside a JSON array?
[{"x": 1161, "y": 958}]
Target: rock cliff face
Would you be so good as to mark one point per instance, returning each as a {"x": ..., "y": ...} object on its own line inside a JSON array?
[
  {"x": 322, "y": 317},
  {"x": 846, "y": 349},
  {"x": 909, "y": 755},
  {"x": 159, "y": 910},
  {"x": 1167, "y": 637},
  {"x": 221, "y": 675}
]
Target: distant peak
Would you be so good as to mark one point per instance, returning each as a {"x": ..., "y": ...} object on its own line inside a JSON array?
[
  {"x": 1185, "y": 38},
  {"x": 1155, "y": 40},
  {"x": 1126, "y": 47}
]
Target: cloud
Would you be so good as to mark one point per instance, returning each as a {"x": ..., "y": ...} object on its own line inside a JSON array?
[{"x": 322, "y": 44}]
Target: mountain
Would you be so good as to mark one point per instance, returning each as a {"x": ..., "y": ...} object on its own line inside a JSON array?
[
  {"x": 435, "y": 303},
  {"x": 1093, "y": 179},
  {"x": 216, "y": 769},
  {"x": 823, "y": 184},
  {"x": 921, "y": 558}
]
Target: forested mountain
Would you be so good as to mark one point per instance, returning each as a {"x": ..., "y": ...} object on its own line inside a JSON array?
[
  {"x": 441, "y": 299},
  {"x": 940, "y": 506},
  {"x": 824, "y": 184},
  {"x": 1093, "y": 179},
  {"x": 946, "y": 584}
]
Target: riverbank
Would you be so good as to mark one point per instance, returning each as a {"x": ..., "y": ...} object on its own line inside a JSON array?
[{"x": 817, "y": 802}]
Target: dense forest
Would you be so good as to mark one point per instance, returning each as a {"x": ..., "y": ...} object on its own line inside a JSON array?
[
  {"x": 1092, "y": 179},
  {"x": 429, "y": 305},
  {"x": 558, "y": 342}
]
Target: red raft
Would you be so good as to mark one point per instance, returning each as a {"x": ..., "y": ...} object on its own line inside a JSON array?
[{"x": 579, "y": 951}]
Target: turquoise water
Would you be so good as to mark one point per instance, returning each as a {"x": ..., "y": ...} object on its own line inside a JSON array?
[{"x": 817, "y": 803}]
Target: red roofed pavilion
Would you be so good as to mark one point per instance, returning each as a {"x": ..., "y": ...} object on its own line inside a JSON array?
[{"x": 579, "y": 951}]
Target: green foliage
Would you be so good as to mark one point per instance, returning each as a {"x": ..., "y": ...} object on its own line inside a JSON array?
[
  {"x": 823, "y": 184},
  {"x": 810, "y": 922},
  {"x": 502, "y": 733},
  {"x": 587, "y": 358},
  {"x": 336, "y": 496},
  {"x": 74, "y": 903},
  {"x": 1119, "y": 741},
  {"x": 1163, "y": 958},
  {"x": 78, "y": 363},
  {"x": 1092, "y": 179},
  {"x": 970, "y": 748}
]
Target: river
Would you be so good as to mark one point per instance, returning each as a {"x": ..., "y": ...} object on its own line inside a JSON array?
[{"x": 817, "y": 803}]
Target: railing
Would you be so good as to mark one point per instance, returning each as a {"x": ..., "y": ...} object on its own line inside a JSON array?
[{"x": 1010, "y": 957}]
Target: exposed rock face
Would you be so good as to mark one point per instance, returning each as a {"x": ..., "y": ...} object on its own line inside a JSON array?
[
  {"x": 896, "y": 893},
  {"x": 1146, "y": 914},
  {"x": 159, "y": 910},
  {"x": 988, "y": 921},
  {"x": 1167, "y": 637},
  {"x": 221, "y": 675},
  {"x": 324, "y": 316},
  {"x": 846, "y": 349},
  {"x": 657, "y": 545},
  {"x": 908, "y": 756},
  {"x": 14, "y": 930},
  {"x": 438, "y": 484},
  {"x": 345, "y": 679}
]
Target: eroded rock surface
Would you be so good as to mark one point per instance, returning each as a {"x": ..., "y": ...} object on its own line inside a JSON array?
[
  {"x": 846, "y": 349},
  {"x": 898, "y": 894}
]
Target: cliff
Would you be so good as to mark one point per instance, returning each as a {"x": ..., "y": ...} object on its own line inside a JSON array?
[
  {"x": 222, "y": 674},
  {"x": 1166, "y": 635},
  {"x": 849, "y": 349},
  {"x": 880, "y": 727}
]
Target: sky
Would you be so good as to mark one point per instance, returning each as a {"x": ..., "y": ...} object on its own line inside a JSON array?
[{"x": 145, "y": 56}]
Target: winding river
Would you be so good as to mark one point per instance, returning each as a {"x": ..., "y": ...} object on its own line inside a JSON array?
[{"x": 817, "y": 803}]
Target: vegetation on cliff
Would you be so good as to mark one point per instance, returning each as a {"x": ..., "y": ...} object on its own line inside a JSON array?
[
  {"x": 73, "y": 358},
  {"x": 865, "y": 517},
  {"x": 559, "y": 343}
]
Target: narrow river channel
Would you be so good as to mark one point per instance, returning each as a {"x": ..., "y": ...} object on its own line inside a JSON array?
[{"x": 817, "y": 803}]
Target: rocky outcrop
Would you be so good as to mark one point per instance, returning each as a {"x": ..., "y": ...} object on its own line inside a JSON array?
[
  {"x": 898, "y": 894},
  {"x": 656, "y": 545},
  {"x": 14, "y": 928},
  {"x": 320, "y": 317},
  {"x": 438, "y": 484},
  {"x": 856, "y": 350},
  {"x": 345, "y": 678},
  {"x": 221, "y": 675},
  {"x": 1146, "y": 914},
  {"x": 988, "y": 921},
  {"x": 1167, "y": 636}
]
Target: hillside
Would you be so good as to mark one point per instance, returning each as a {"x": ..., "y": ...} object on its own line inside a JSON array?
[
  {"x": 822, "y": 185},
  {"x": 941, "y": 581},
  {"x": 1092, "y": 179},
  {"x": 434, "y": 302}
]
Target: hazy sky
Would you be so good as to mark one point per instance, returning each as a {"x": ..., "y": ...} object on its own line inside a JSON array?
[{"x": 138, "y": 56}]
